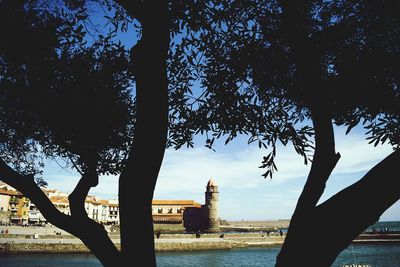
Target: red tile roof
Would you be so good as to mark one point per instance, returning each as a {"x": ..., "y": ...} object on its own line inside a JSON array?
[
  {"x": 185, "y": 203},
  {"x": 9, "y": 192}
]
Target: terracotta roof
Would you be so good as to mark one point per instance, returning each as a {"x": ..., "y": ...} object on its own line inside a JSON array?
[
  {"x": 94, "y": 200},
  {"x": 9, "y": 192},
  {"x": 59, "y": 199},
  {"x": 189, "y": 203},
  {"x": 49, "y": 190}
]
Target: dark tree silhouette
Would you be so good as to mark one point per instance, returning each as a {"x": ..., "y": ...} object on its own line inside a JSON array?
[
  {"x": 264, "y": 67},
  {"x": 61, "y": 97}
]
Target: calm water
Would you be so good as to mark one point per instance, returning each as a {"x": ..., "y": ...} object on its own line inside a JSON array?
[
  {"x": 380, "y": 255},
  {"x": 377, "y": 255}
]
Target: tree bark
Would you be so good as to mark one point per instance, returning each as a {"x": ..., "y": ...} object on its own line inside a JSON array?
[
  {"x": 328, "y": 220},
  {"x": 334, "y": 224},
  {"x": 92, "y": 234},
  {"x": 302, "y": 221},
  {"x": 348, "y": 213},
  {"x": 138, "y": 179}
]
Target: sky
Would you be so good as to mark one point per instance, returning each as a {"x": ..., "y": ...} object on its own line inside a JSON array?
[{"x": 244, "y": 193}]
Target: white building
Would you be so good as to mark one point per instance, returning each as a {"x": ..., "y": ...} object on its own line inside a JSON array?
[
  {"x": 93, "y": 208},
  {"x": 35, "y": 216},
  {"x": 113, "y": 212},
  {"x": 61, "y": 203}
]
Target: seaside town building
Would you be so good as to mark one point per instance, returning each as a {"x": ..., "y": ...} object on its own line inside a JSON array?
[
  {"x": 113, "y": 212},
  {"x": 5, "y": 196},
  {"x": 35, "y": 216},
  {"x": 189, "y": 215},
  {"x": 171, "y": 211},
  {"x": 61, "y": 203},
  {"x": 19, "y": 208}
]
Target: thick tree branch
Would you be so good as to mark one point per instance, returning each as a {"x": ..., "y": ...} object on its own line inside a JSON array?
[
  {"x": 27, "y": 186},
  {"x": 92, "y": 234},
  {"x": 307, "y": 60},
  {"x": 78, "y": 196},
  {"x": 134, "y": 8},
  {"x": 308, "y": 67},
  {"x": 349, "y": 212},
  {"x": 324, "y": 161}
]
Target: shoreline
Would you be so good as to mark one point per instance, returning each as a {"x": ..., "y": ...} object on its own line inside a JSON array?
[{"x": 167, "y": 243}]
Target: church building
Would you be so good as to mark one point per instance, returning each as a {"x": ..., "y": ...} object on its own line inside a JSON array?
[{"x": 188, "y": 213}]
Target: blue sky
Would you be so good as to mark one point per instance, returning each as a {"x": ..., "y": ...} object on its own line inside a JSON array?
[{"x": 244, "y": 193}]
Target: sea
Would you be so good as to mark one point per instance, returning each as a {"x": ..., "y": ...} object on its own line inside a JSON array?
[{"x": 375, "y": 255}]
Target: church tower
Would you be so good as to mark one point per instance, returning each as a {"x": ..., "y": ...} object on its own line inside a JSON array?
[{"x": 212, "y": 207}]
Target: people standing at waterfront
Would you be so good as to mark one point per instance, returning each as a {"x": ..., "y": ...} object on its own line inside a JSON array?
[{"x": 198, "y": 234}]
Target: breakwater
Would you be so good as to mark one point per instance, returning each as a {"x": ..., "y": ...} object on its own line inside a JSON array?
[{"x": 166, "y": 243}]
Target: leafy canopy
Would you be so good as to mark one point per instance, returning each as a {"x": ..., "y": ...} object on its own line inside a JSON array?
[
  {"x": 234, "y": 71},
  {"x": 61, "y": 97}
]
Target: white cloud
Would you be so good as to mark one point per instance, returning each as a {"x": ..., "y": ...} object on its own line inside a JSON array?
[
  {"x": 188, "y": 169},
  {"x": 357, "y": 155},
  {"x": 184, "y": 174}
]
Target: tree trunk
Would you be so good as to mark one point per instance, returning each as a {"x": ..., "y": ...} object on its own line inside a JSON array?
[
  {"x": 317, "y": 234},
  {"x": 137, "y": 181},
  {"x": 92, "y": 234},
  {"x": 333, "y": 225}
]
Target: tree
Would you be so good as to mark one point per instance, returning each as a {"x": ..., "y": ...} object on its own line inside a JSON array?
[
  {"x": 264, "y": 67},
  {"x": 250, "y": 58},
  {"x": 62, "y": 100},
  {"x": 95, "y": 139}
]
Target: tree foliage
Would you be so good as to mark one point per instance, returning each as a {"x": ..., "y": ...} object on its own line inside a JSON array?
[
  {"x": 244, "y": 77},
  {"x": 60, "y": 96}
]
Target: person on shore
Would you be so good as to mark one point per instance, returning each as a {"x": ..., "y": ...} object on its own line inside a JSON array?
[
  {"x": 280, "y": 232},
  {"x": 198, "y": 234},
  {"x": 158, "y": 234}
]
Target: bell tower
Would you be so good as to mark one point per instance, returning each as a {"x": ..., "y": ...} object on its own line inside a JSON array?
[{"x": 212, "y": 196}]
